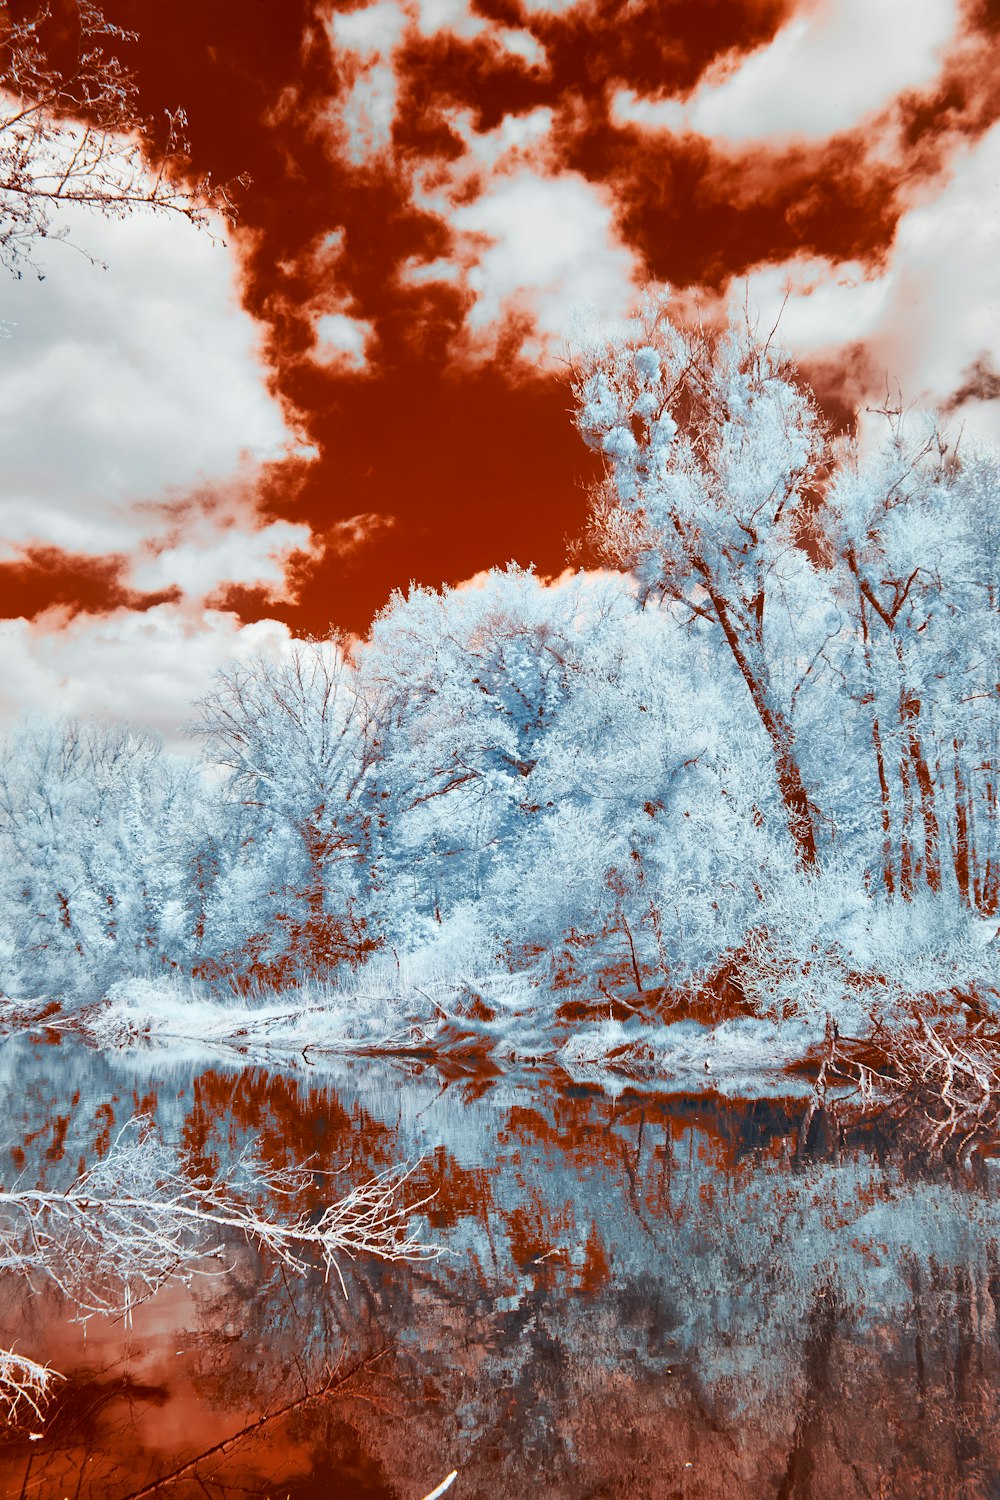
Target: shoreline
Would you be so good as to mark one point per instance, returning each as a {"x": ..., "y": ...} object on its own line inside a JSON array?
[{"x": 742, "y": 1055}]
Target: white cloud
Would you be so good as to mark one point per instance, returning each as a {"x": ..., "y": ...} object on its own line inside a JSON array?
[
  {"x": 528, "y": 243},
  {"x": 813, "y": 301},
  {"x": 368, "y": 113},
  {"x": 943, "y": 308},
  {"x": 125, "y": 384},
  {"x": 933, "y": 311},
  {"x": 422, "y": 272},
  {"x": 124, "y": 391},
  {"x": 518, "y": 140},
  {"x": 367, "y": 41},
  {"x": 459, "y": 19},
  {"x": 523, "y": 44},
  {"x": 201, "y": 565},
  {"x": 541, "y": 247},
  {"x": 550, "y": 7},
  {"x": 146, "y": 668},
  {"x": 371, "y": 32},
  {"x": 343, "y": 340},
  {"x": 825, "y": 71}
]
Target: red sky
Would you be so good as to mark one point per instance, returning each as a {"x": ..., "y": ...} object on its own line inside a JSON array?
[{"x": 367, "y": 385}]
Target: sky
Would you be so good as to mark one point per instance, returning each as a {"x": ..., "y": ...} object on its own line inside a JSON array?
[{"x": 221, "y": 441}]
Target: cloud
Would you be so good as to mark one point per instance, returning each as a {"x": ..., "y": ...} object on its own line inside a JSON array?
[
  {"x": 125, "y": 384},
  {"x": 458, "y": 18},
  {"x": 517, "y": 140},
  {"x": 147, "y": 668},
  {"x": 528, "y": 245},
  {"x": 123, "y": 392},
  {"x": 943, "y": 306},
  {"x": 929, "y": 319},
  {"x": 550, "y": 7},
  {"x": 354, "y": 533},
  {"x": 816, "y": 300},
  {"x": 828, "y": 69},
  {"x": 371, "y": 32},
  {"x": 368, "y": 112},
  {"x": 536, "y": 250},
  {"x": 199, "y": 566},
  {"x": 343, "y": 340},
  {"x": 369, "y": 46}
]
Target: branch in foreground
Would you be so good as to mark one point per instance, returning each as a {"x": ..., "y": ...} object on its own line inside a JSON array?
[
  {"x": 25, "y": 1386},
  {"x": 72, "y": 133},
  {"x": 138, "y": 1219}
]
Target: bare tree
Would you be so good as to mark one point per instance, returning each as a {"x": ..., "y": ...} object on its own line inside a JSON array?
[
  {"x": 296, "y": 738},
  {"x": 72, "y": 132}
]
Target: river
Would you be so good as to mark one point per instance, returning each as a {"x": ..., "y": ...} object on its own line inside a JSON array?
[{"x": 648, "y": 1295}]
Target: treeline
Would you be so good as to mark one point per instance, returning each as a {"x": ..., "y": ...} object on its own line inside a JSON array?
[{"x": 768, "y": 730}]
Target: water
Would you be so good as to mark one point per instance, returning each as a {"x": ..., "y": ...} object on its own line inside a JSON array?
[{"x": 652, "y": 1296}]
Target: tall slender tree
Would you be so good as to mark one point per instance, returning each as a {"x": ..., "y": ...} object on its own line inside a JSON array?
[{"x": 711, "y": 446}]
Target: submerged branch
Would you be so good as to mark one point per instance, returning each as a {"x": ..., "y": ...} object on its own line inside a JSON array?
[{"x": 331, "y": 1386}]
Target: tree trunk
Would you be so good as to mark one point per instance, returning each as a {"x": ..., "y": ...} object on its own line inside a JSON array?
[
  {"x": 885, "y": 798},
  {"x": 907, "y": 873},
  {"x": 925, "y": 790},
  {"x": 798, "y": 811},
  {"x": 962, "y": 850},
  {"x": 990, "y": 885}
]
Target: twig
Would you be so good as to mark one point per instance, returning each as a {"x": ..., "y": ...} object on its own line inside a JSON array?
[{"x": 252, "y": 1428}]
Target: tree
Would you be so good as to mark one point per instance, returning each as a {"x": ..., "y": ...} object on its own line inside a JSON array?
[
  {"x": 92, "y": 835},
  {"x": 72, "y": 133},
  {"x": 466, "y": 686},
  {"x": 711, "y": 446},
  {"x": 294, "y": 736},
  {"x": 909, "y": 528},
  {"x": 886, "y": 520}
]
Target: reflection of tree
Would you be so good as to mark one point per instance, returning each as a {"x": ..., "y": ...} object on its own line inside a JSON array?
[
  {"x": 635, "y": 1286},
  {"x": 706, "y": 1331}
]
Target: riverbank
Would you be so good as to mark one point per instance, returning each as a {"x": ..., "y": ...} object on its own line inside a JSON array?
[{"x": 504, "y": 1022}]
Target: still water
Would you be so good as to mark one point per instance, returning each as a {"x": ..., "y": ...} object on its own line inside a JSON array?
[{"x": 647, "y": 1296}]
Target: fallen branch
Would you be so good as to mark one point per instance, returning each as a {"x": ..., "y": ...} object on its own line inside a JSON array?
[
  {"x": 942, "y": 1084},
  {"x": 138, "y": 1219}
]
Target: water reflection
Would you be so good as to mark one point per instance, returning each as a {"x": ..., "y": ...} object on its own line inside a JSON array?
[{"x": 647, "y": 1296}]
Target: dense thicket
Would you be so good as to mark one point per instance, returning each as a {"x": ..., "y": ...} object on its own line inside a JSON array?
[{"x": 764, "y": 740}]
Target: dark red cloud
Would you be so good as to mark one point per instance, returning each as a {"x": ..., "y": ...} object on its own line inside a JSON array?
[
  {"x": 47, "y": 578},
  {"x": 981, "y": 383},
  {"x": 700, "y": 217},
  {"x": 476, "y": 466}
]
